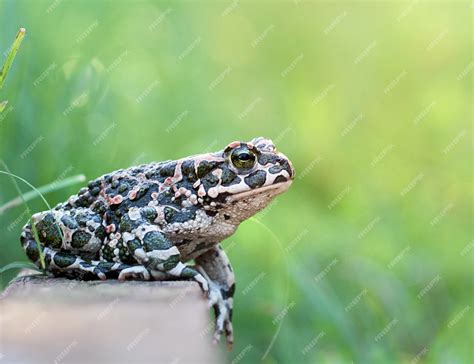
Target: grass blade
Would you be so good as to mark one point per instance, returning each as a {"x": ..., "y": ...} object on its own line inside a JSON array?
[
  {"x": 19, "y": 265},
  {"x": 50, "y": 187},
  {"x": 3, "y": 105},
  {"x": 11, "y": 55},
  {"x": 33, "y": 227}
]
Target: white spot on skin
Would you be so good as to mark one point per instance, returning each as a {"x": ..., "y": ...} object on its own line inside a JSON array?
[
  {"x": 141, "y": 255},
  {"x": 163, "y": 254},
  {"x": 127, "y": 237},
  {"x": 113, "y": 243},
  {"x": 213, "y": 192},
  {"x": 72, "y": 200},
  {"x": 134, "y": 213}
]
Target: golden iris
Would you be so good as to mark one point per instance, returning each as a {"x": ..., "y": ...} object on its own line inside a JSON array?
[{"x": 243, "y": 158}]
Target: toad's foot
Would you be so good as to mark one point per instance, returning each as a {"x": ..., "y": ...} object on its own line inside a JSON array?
[
  {"x": 223, "y": 314},
  {"x": 135, "y": 272}
]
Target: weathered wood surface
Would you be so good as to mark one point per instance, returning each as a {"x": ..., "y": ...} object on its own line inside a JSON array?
[{"x": 44, "y": 320}]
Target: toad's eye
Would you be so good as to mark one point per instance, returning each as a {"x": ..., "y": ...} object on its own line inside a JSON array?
[{"x": 243, "y": 158}]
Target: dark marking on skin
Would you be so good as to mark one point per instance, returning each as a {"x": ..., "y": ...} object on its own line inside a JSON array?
[
  {"x": 265, "y": 158},
  {"x": 32, "y": 250},
  {"x": 48, "y": 232},
  {"x": 149, "y": 214},
  {"x": 64, "y": 259},
  {"x": 167, "y": 170},
  {"x": 229, "y": 292},
  {"x": 216, "y": 310},
  {"x": 205, "y": 167},
  {"x": 127, "y": 224},
  {"x": 188, "y": 171},
  {"x": 154, "y": 240},
  {"x": 47, "y": 260},
  {"x": 99, "y": 207},
  {"x": 69, "y": 222},
  {"x": 82, "y": 201},
  {"x": 226, "y": 217},
  {"x": 107, "y": 253},
  {"x": 123, "y": 187},
  {"x": 221, "y": 198},
  {"x": 100, "y": 233},
  {"x": 209, "y": 181},
  {"x": 124, "y": 253},
  {"x": 171, "y": 215},
  {"x": 286, "y": 167},
  {"x": 171, "y": 262},
  {"x": 280, "y": 179},
  {"x": 275, "y": 169},
  {"x": 230, "y": 267},
  {"x": 133, "y": 245},
  {"x": 82, "y": 219},
  {"x": 188, "y": 273},
  {"x": 229, "y": 177},
  {"x": 165, "y": 198},
  {"x": 104, "y": 267},
  {"x": 93, "y": 184},
  {"x": 80, "y": 238},
  {"x": 256, "y": 179}
]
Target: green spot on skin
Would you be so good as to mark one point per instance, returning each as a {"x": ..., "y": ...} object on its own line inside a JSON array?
[
  {"x": 80, "y": 238},
  {"x": 48, "y": 232},
  {"x": 149, "y": 213},
  {"x": 154, "y": 240},
  {"x": 171, "y": 262}
]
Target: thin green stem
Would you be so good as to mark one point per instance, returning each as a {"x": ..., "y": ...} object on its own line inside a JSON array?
[
  {"x": 33, "y": 227},
  {"x": 50, "y": 187},
  {"x": 11, "y": 55}
]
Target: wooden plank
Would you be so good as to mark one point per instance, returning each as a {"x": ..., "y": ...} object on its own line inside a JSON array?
[{"x": 46, "y": 320}]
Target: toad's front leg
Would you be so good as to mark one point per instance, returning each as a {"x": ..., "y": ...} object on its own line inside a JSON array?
[{"x": 215, "y": 266}]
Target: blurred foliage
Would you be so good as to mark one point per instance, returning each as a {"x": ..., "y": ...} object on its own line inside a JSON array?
[{"x": 371, "y": 101}]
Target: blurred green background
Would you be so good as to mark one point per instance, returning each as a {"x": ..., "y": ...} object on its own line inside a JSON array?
[{"x": 371, "y": 101}]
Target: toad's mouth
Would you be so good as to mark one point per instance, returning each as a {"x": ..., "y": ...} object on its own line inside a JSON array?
[{"x": 273, "y": 190}]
